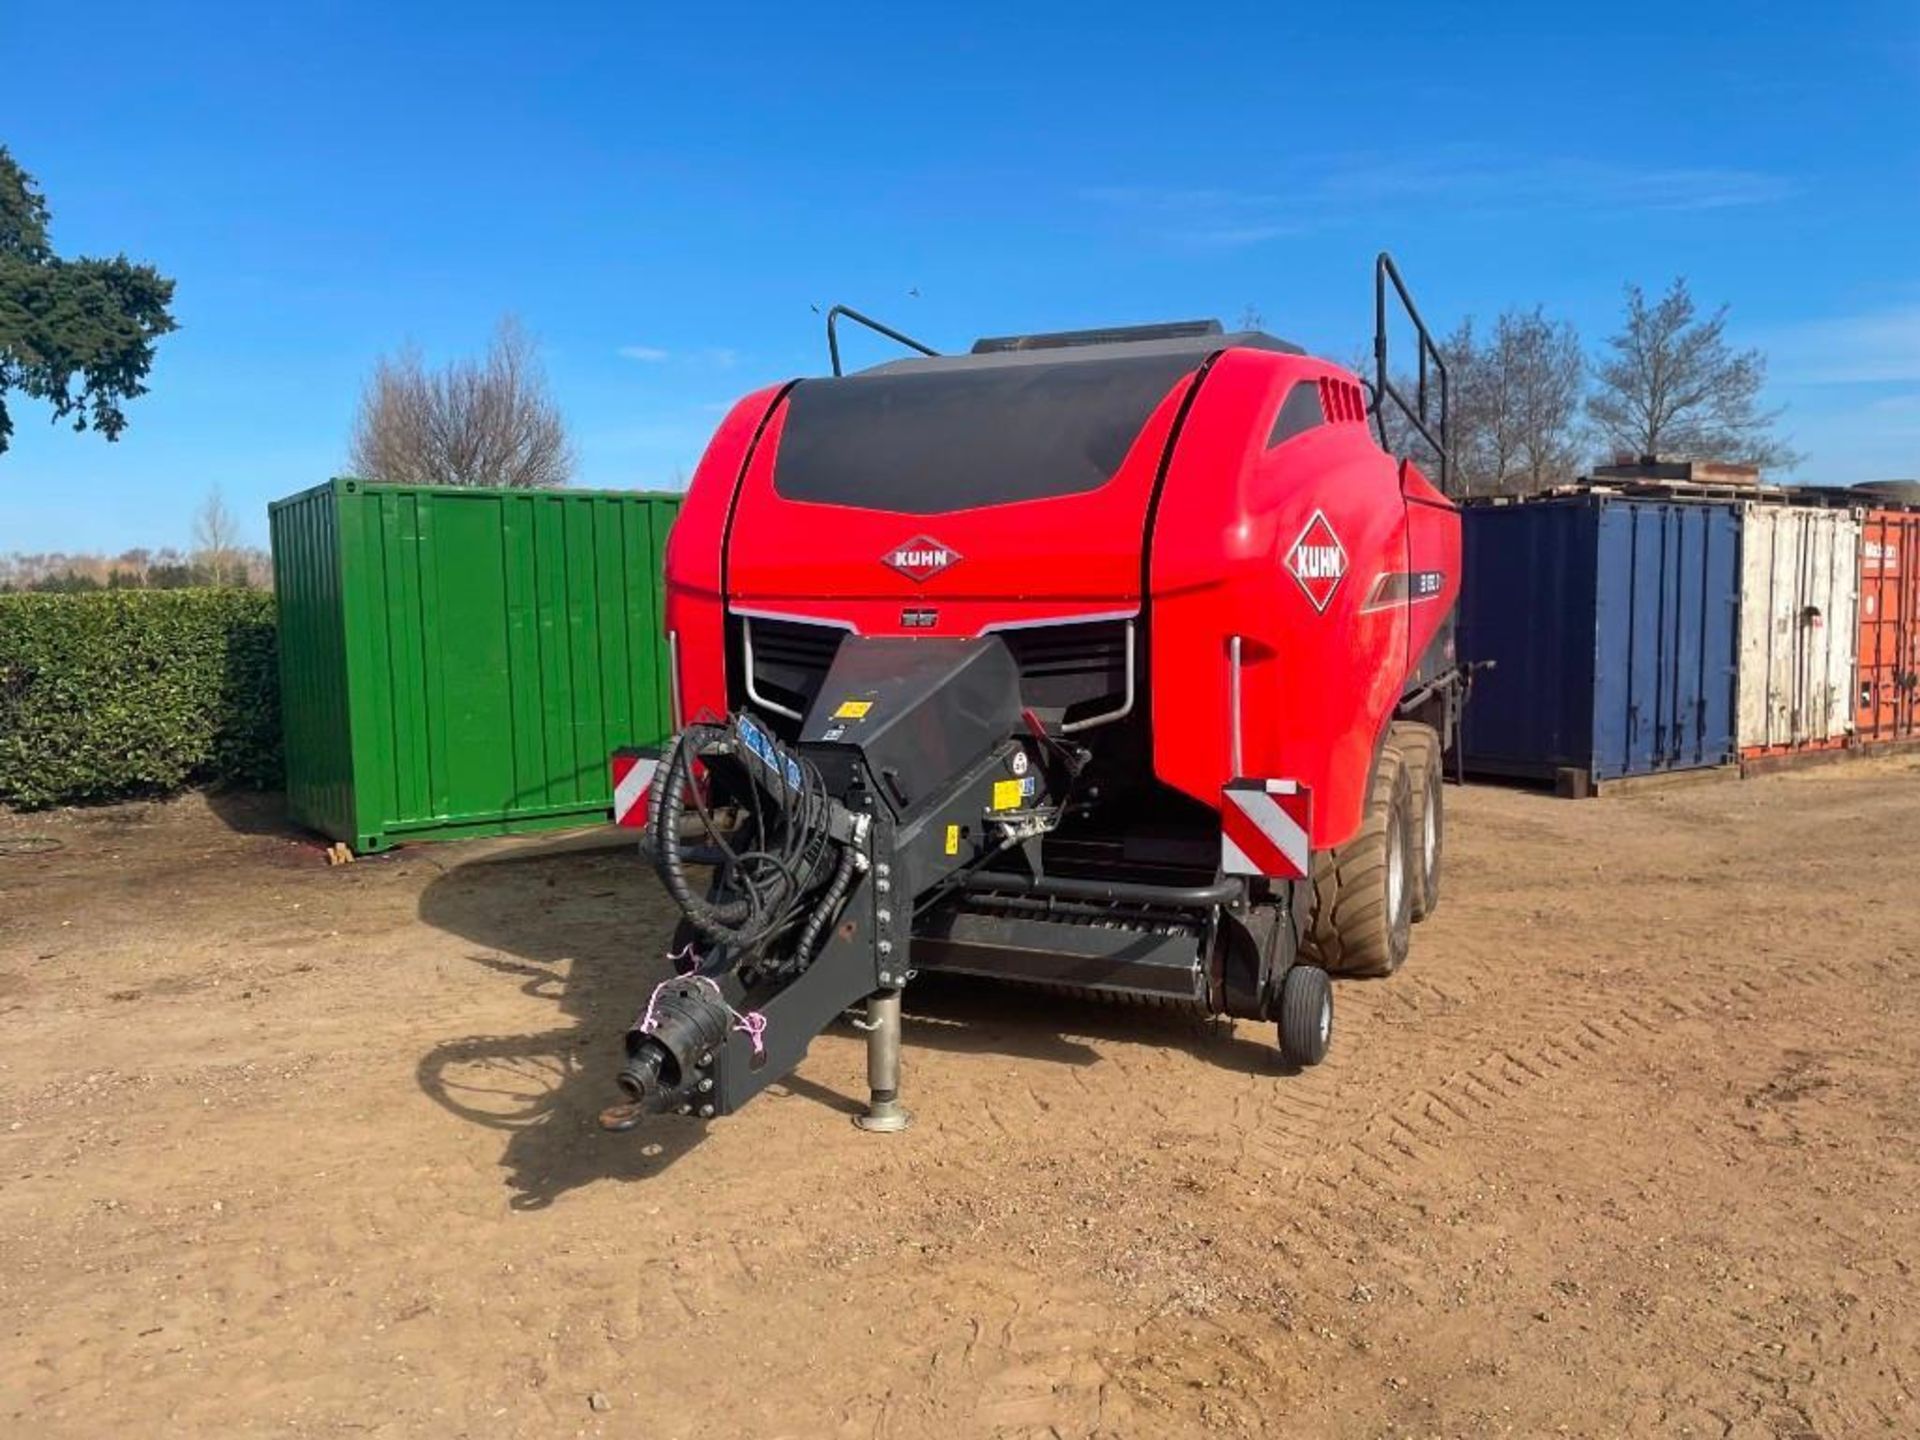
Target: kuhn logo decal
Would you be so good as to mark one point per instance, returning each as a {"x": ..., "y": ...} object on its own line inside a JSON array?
[
  {"x": 1318, "y": 561},
  {"x": 920, "y": 558}
]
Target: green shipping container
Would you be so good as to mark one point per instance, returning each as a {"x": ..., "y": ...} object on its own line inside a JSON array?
[{"x": 460, "y": 662}]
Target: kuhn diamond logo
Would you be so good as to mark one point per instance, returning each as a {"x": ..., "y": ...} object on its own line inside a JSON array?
[
  {"x": 920, "y": 558},
  {"x": 1318, "y": 561}
]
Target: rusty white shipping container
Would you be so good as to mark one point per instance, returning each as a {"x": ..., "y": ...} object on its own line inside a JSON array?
[{"x": 1799, "y": 629}]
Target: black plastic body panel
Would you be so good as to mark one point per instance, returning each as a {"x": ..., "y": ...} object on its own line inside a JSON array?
[
  {"x": 1143, "y": 963},
  {"x": 922, "y": 712},
  {"x": 980, "y": 434}
]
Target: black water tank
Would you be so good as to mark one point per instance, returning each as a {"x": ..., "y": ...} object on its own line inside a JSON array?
[{"x": 1899, "y": 492}]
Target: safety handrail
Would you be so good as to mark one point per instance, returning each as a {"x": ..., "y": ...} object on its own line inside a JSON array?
[
  {"x": 833, "y": 339},
  {"x": 1384, "y": 270}
]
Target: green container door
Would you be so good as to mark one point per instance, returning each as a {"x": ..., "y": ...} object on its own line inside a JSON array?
[
  {"x": 315, "y": 730},
  {"x": 462, "y": 662}
]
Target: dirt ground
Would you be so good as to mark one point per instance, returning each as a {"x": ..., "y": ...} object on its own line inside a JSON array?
[{"x": 1631, "y": 1147}]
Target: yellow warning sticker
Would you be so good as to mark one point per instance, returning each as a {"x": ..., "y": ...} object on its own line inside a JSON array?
[
  {"x": 853, "y": 710},
  {"x": 1006, "y": 794},
  {"x": 953, "y": 839}
]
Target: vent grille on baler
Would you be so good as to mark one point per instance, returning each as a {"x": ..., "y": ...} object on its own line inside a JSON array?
[
  {"x": 1075, "y": 671},
  {"x": 1342, "y": 401},
  {"x": 790, "y": 659}
]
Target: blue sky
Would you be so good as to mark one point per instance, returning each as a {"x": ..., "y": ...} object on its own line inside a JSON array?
[{"x": 662, "y": 192}]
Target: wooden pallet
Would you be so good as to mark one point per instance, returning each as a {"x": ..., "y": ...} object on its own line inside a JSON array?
[{"x": 1571, "y": 783}]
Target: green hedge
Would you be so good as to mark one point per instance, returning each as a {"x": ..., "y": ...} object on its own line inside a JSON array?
[{"x": 136, "y": 692}]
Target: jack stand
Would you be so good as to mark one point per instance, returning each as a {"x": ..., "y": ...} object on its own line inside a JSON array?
[{"x": 885, "y": 1114}]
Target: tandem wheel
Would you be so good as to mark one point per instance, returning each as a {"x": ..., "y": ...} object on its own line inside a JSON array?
[{"x": 1306, "y": 1015}]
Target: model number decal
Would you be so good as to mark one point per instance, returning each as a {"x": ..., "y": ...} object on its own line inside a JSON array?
[{"x": 1405, "y": 587}]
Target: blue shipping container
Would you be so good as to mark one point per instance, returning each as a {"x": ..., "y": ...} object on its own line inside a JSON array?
[{"x": 1613, "y": 625}]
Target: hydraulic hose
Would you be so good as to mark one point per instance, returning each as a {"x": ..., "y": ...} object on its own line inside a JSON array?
[
  {"x": 823, "y": 913},
  {"x": 665, "y": 806},
  {"x": 769, "y": 874}
]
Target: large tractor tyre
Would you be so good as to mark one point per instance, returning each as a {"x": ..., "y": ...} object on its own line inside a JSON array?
[
  {"x": 1421, "y": 749},
  {"x": 1306, "y": 1016},
  {"x": 1363, "y": 890}
]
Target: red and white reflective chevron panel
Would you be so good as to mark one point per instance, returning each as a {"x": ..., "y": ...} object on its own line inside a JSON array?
[
  {"x": 633, "y": 772},
  {"x": 1264, "y": 825}
]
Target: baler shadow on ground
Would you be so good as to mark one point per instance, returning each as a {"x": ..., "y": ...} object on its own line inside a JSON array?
[
  {"x": 584, "y": 946},
  {"x": 1557, "y": 1178},
  {"x": 594, "y": 943}
]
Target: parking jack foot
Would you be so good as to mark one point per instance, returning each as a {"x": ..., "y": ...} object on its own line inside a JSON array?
[{"x": 884, "y": 1113}]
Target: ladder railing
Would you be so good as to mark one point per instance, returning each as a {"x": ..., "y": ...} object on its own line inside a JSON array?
[
  {"x": 1431, "y": 426},
  {"x": 833, "y": 338}
]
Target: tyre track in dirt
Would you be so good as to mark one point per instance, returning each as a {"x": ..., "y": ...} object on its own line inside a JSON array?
[
  {"x": 1574, "y": 1103},
  {"x": 1474, "y": 1030},
  {"x": 1461, "y": 1079},
  {"x": 1470, "y": 1050},
  {"x": 1327, "y": 1150}
]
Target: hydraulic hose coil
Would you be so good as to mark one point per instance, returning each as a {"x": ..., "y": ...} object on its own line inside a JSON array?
[{"x": 771, "y": 861}]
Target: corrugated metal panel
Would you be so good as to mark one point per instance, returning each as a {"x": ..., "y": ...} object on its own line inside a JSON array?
[
  {"x": 1532, "y": 712},
  {"x": 495, "y": 647},
  {"x": 1667, "y": 623},
  {"x": 1888, "y": 696},
  {"x": 1799, "y": 587},
  {"x": 1611, "y": 625},
  {"x": 313, "y": 662}
]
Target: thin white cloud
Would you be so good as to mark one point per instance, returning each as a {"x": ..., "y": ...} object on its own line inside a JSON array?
[
  {"x": 1204, "y": 219},
  {"x": 1877, "y": 347},
  {"x": 1702, "y": 189},
  {"x": 1233, "y": 237},
  {"x": 1331, "y": 190},
  {"x": 708, "y": 357},
  {"x": 1906, "y": 406},
  {"x": 1148, "y": 197},
  {"x": 1848, "y": 437},
  {"x": 1562, "y": 183}
]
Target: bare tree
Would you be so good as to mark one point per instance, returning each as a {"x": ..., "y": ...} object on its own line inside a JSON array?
[
  {"x": 1520, "y": 403},
  {"x": 216, "y": 542},
  {"x": 217, "y": 559},
  {"x": 1671, "y": 385},
  {"x": 1513, "y": 405},
  {"x": 1475, "y": 441},
  {"x": 1466, "y": 409},
  {"x": 484, "y": 422}
]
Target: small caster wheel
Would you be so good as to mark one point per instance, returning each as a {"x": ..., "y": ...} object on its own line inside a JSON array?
[{"x": 1306, "y": 1015}]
